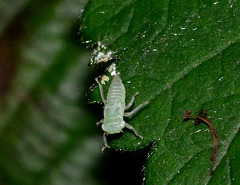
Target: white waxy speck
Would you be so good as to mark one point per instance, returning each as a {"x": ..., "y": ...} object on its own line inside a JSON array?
[
  {"x": 88, "y": 41},
  {"x": 171, "y": 131},
  {"x": 198, "y": 131},
  {"x": 113, "y": 69},
  {"x": 220, "y": 79}
]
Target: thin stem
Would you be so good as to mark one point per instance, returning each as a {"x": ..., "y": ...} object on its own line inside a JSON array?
[{"x": 203, "y": 117}]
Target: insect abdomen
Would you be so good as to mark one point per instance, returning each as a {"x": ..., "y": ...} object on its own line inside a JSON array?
[
  {"x": 116, "y": 92},
  {"x": 115, "y": 106}
]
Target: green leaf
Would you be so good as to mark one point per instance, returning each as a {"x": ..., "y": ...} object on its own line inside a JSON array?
[{"x": 180, "y": 55}]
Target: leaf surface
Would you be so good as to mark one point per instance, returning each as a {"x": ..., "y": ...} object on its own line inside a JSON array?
[{"x": 180, "y": 55}]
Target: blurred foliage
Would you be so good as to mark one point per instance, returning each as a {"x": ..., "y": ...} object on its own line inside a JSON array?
[
  {"x": 47, "y": 128},
  {"x": 180, "y": 55},
  {"x": 47, "y": 134}
]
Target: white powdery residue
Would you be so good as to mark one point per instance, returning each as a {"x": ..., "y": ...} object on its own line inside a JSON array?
[
  {"x": 103, "y": 57},
  {"x": 113, "y": 69},
  {"x": 101, "y": 54}
]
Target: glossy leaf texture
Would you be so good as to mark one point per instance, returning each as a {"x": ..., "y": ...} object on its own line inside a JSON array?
[{"x": 179, "y": 55}]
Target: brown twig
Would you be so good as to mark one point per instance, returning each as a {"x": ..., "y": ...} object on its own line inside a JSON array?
[{"x": 202, "y": 117}]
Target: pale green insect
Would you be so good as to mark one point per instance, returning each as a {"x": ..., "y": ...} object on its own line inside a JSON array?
[{"x": 114, "y": 109}]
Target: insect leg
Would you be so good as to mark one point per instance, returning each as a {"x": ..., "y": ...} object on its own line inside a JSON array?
[
  {"x": 133, "y": 129},
  {"x": 131, "y": 102},
  {"x": 100, "y": 122},
  {"x": 101, "y": 91},
  {"x": 134, "y": 111},
  {"x": 105, "y": 142}
]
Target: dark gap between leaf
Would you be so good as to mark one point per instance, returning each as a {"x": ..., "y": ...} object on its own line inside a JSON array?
[{"x": 118, "y": 168}]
